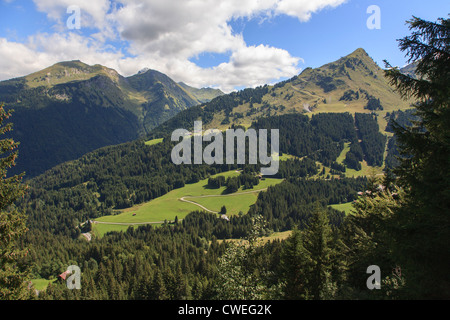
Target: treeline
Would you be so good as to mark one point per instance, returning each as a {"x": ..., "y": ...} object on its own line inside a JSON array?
[
  {"x": 181, "y": 260},
  {"x": 373, "y": 141},
  {"x": 320, "y": 138},
  {"x": 206, "y": 111},
  {"x": 109, "y": 178},
  {"x": 121, "y": 176},
  {"x": 323, "y": 137},
  {"x": 290, "y": 203},
  {"x": 399, "y": 119}
]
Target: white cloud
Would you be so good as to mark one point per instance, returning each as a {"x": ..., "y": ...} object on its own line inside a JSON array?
[
  {"x": 42, "y": 50},
  {"x": 95, "y": 13},
  {"x": 164, "y": 35},
  {"x": 302, "y": 9},
  {"x": 259, "y": 64},
  {"x": 17, "y": 59}
]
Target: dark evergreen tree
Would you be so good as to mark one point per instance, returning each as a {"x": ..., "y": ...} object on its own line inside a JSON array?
[
  {"x": 13, "y": 273},
  {"x": 423, "y": 233},
  {"x": 294, "y": 271},
  {"x": 158, "y": 288},
  {"x": 318, "y": 243}
]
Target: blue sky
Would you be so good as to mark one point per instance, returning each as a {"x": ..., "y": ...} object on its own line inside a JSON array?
[{"x": 226, "y": 44}]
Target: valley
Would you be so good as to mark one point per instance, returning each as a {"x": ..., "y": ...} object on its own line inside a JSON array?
[
  {"x": 327, "y": 178},
  {"x": 331, "y": 145},
  {"x": 171, "y": 205}
]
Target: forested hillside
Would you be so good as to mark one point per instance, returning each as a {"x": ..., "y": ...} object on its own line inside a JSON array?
[
  {"x": 117, "y": 177},
  {"x": 61, "y": 202},
  {"x": 71, "y": 108},
  {"x": 312, "y": 234}
]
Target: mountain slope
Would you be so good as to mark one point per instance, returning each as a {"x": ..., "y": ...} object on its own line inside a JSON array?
[
  {"x": 354, "y": 83},
  {"x": 315, "y": 143},
  {"x": 204, "y": 94},
  {"x": 71, "y": 108},
  {"x": 163, "y": 97},
  {"x": 410, "y": 69}
]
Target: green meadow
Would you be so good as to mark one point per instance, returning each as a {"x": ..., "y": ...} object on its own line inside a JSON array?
[
  {"x": 272, "y": 237},
  {"x": 346, "y": 207},
  {"x": 366, "y": 170},
  {"x": 235, "y": 202},
  {"x": 344, "y": 152},
  {"x": 169, "y": 206},
  {"x": 153, "y": 141},
  {"x": 41, "y": 284}
]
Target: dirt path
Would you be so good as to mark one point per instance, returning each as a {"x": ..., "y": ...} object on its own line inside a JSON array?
[
  {"x": 197, "y": 204},
  {"x": 184, "y": 200},
  {"x": 215, "y": 195},
  {"x": 128, "y": 223}
]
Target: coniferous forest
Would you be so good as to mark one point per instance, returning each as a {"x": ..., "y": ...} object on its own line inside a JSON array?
[{"x": 398, "y": 221}]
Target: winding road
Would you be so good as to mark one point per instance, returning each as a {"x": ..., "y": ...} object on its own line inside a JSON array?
[
  {"x": 216, "y": 195},
  {"x": 184, "y": 200}
]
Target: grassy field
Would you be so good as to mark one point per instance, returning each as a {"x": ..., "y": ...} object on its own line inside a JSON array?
[
  {"x": 41, "y": 284},
  {"x": 170, "y": 206},
  {"x": 285, "y": 157},
  {"x": 277, "y": 236},
  {"x": 274, "y": 236},
  {"x": 98, "y": 230},
  {"x": 366, "y": 170},
  {"x": 346, "y": 207},
  {"x": 343, "y": 154},
  {"x": 236, "y": 202},
  {"x": 153, "y": 142}
]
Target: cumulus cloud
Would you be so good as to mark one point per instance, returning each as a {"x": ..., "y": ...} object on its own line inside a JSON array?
[
  {"x": 42, "y": 50},
  {"x": 164, "y": 35},
  {"x": 95, "y": 13},
  {"x": 302, "y": 9},
  {"x": 259, "y": 64}
]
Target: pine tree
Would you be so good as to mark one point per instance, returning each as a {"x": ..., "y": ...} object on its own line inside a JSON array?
[
  {"x": 294, "y": 268},
  {"x": 368, "y": 236},
  {"x": 423, "y": 224},
  {"x": 308, "y": 259},
  {"x": 13, "y": 273},
  {"x": 158, "y": 288},
  {"x": 317, "y": 241},
  {"x": 183, "y": 291}
]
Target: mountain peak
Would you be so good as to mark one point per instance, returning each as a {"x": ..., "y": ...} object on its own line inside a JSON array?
[
  {"x": 67, "y": 71},
  {"x": 143, "y": 70},
  {"x": 358, "y": 55},
  {"x": 359, "y": 52},
  {"x": 71, "y": 64}
]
